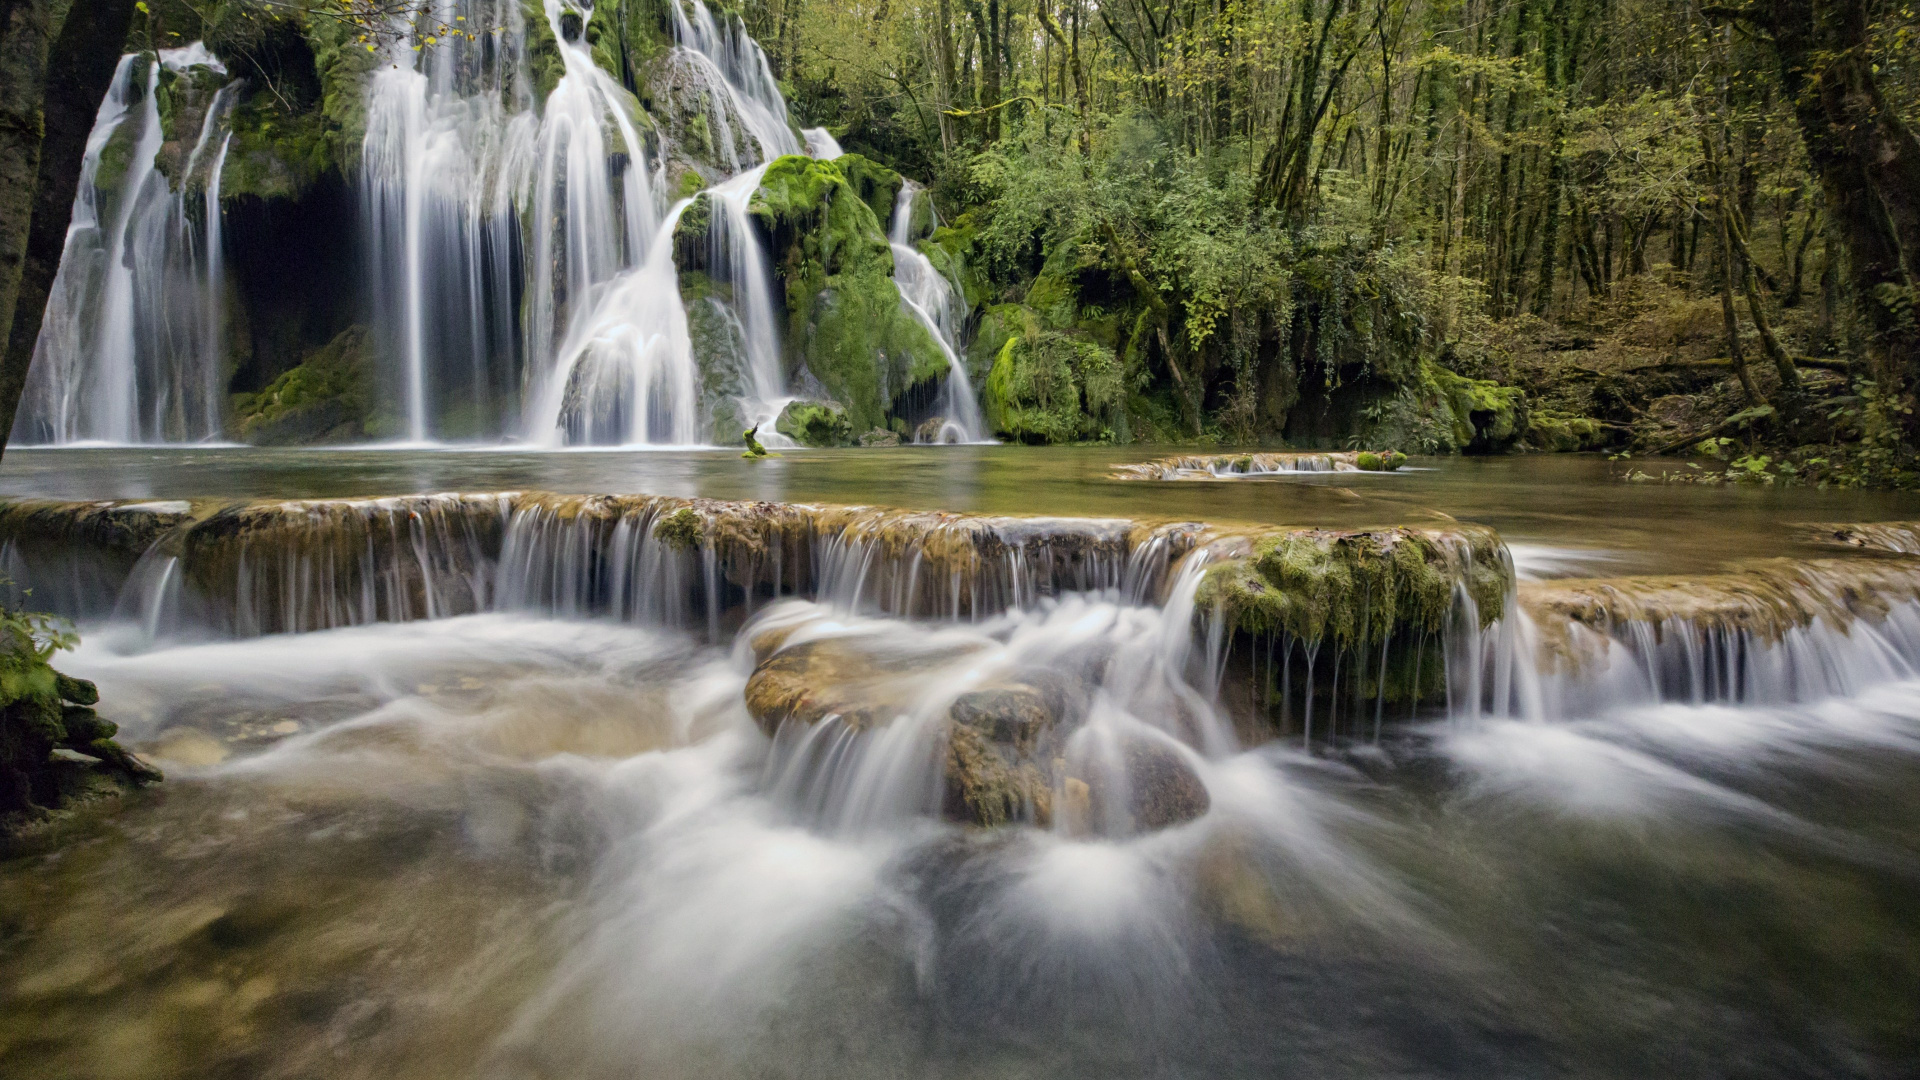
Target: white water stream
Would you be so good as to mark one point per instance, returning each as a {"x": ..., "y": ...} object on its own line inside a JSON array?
[
  {"x": 132, "y": 347},
  {"x": 936, "y": 303}
]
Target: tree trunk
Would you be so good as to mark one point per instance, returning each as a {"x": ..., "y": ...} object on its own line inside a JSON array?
[{"x": 25, "y": 34}]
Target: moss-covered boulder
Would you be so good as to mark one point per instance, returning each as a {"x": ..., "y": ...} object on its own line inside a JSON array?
[
  {"x": 815, "y": 423},
  {"x": 1051, "y": 386},
  {"x": 1564, "y": 434},
  {"x": 328, "y": 397},
  {"x": 845, "y": 325},
  {"x": 42, "y": 710},
  {"x": 877, "y": 185}
]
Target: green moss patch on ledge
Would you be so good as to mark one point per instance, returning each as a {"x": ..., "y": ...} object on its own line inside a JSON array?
[{"x": 1356, "y": 588}]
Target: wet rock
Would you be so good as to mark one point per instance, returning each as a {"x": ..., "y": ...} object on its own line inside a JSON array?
[
  {"x": 929, "y": 429},
  {"x": 1159, "y": 790},
  {"x": 989, "y": 783},
  {"x": 880, "y": 437},
  {"x": 815, "y": 423}
]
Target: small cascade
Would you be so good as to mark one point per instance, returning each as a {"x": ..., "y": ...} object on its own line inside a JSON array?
[
  {"x": 1772, "y": 633},
  {"x": 744, "y": 75},
  {"x": 132, "y": 349},
  {"x": 821, "y": 144},
  {"x": 936, "y": 303},
  {"x": 1080, "y": 713},
  {"x": 1231, "y": 466},
  {"x": 270, "y": 568}
]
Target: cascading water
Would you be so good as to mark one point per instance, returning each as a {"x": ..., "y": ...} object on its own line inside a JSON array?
[
  {"x": 456, "y": 154},
  {"x": 132, "y": 349},
  {"x": 744, "y": 74},
  {"x": 935, "y": 302},
  {"x": 685, "y": 787},
  {"x": 520, "y": 271}
]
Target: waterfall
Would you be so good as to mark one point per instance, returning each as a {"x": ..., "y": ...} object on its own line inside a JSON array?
[
  {"x": 455, "y": 153},
  {"x": 744, "y": 75},
  {"x": 933, "y": 300},
  {"x": 625, "y": 372},
  {"x": 821, "y": 144},
  {"x": 737, "y": 248},
  {"x": 520, "y": 273},
  {"x": 132, "y": 349}
]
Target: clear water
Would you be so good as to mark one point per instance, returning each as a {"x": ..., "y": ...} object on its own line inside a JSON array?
[
  {"x": 1573, "y": 512},
  {"x": 515, "y": 846}
]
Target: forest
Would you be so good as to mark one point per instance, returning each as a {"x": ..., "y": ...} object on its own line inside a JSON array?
[{"x": 1372, "y": 221}]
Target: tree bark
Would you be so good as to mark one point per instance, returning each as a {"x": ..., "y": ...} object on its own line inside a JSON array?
[{"x": 25, "y": 34}]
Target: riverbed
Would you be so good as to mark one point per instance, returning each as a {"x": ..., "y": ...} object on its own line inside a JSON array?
[{"x": 528, "y": 843}]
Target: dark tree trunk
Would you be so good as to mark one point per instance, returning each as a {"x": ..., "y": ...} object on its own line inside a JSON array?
[{"x": 1867, "y": 162}]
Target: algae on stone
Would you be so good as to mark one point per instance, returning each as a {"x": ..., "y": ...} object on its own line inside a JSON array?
[
  {"x": 815, "y": 423},
  {"x": 328, "y": 397}
]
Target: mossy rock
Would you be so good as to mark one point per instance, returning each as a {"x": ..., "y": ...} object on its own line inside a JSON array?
[
  {"x": 1047, "y": 386},
  {"x": 327, "y": 397},
  {"x": 1564, "y": 434},
  {"x": 1356, "y": 588},
  {"x": 1386, "y": 461},
  {"x": 1487, "y": 417},
  {"x": 43, "y": 710},
  {"x": 877, "y": 185},
  {"x": 682, "y": 530},
  {"x": 815, "y": 423},
  {"x": 846, "y": 326}
]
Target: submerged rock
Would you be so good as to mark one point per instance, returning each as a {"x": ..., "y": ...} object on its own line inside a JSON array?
[{"x": 1156, "y": 789}]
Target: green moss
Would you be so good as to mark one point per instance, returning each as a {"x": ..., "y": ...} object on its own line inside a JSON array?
[
  {"x": 877, "y": 185},
  {"x": 327, "y": 397},
  {"x": 682, "y": 530},
  {"x": 42, "y": 710},
  {"x": 1555, "y": 432},
  {"x": 1052, "y": 387},
  {"x": 544, "y": 61},
  {"x": 1355, "y": 589},
  {"x": 815, "y": 423},
  {"x": 274, "y": 153},
  {"x": 1486, "y": 415},
  {"x": 1387, "y": 461},
  {"x": 845, "y": 323}
]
